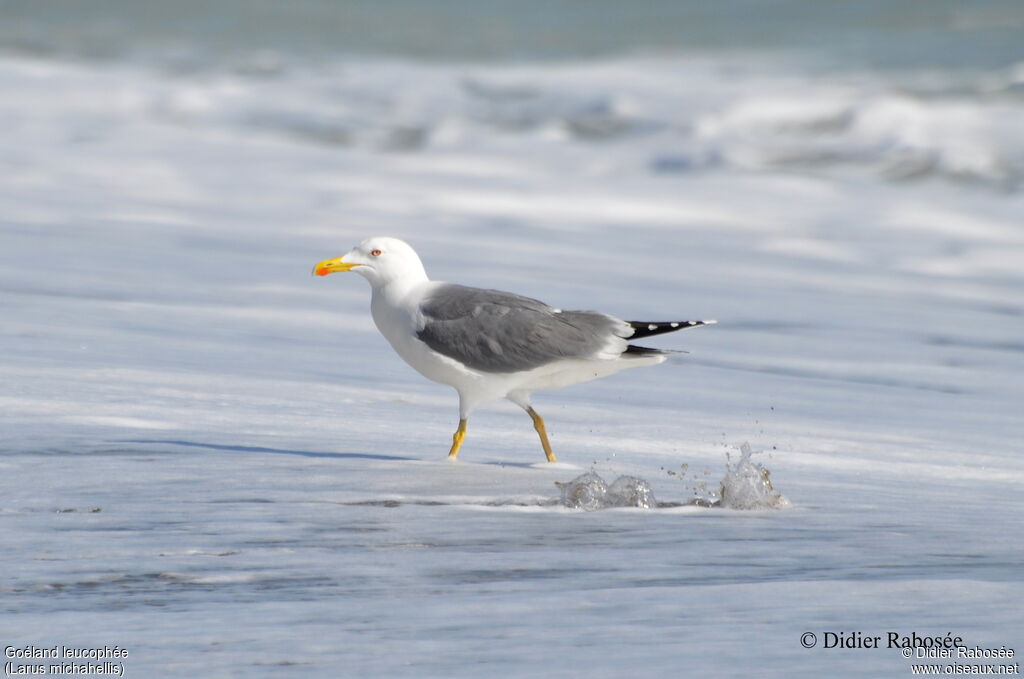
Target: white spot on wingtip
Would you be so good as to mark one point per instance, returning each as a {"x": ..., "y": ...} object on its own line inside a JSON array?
[
  {"x": 674, "y": 324},
  {"x": 652, "y": 326}
]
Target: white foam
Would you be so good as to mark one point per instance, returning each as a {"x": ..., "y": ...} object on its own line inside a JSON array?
[
  {"x": 555, "y": 465},
  {"x": 122, "y": 422}
]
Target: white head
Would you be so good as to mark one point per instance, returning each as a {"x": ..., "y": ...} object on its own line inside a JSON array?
[{"x": 380, "y": 260}]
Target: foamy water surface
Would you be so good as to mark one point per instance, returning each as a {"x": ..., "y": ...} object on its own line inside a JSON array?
[{"x": 214, "y": 461}]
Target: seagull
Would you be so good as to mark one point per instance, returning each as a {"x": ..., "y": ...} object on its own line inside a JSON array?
[{"x": 490, "y": 344}]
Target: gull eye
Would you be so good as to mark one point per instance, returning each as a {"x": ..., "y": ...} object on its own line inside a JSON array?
[{"x": 376, "y": 253}]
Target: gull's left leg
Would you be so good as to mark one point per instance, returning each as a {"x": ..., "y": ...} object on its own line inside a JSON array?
[
  {"x": 538, "y": 424},
  {"x": 522, "y": 399}
]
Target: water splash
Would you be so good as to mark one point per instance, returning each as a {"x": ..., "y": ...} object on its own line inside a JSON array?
[
  {"x": 630, "y": 491},
  {"x": 587, "y": 491},
  {"x": 745, "y": 486},
  {"x": 590, "y": 492}
]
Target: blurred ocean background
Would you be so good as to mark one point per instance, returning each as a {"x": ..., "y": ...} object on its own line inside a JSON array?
[
  {"x": 937, "y": 34},
  {"x": 214, "y": 460},
  {"x": 908, "y": 90}
]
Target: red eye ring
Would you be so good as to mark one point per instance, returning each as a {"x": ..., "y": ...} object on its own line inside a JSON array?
[{"x": 376, "y": 253}]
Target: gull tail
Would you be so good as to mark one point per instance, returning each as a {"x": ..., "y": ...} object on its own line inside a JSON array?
[{"x": 647, "y": 328}]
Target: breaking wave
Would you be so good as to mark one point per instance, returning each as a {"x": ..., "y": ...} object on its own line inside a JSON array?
[{"x": 667, "y": 116}]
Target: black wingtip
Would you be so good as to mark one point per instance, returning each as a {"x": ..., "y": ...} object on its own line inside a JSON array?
[{"x": 649, "y": 328}]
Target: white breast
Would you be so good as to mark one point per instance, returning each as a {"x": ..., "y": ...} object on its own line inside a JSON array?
[{"x": 397, "y": 317}]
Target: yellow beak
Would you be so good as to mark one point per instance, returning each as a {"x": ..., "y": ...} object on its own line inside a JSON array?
[{"x": 333, "y": 266}]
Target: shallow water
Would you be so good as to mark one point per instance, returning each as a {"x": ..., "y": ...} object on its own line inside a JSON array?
[{"x": 257, "y": 564}]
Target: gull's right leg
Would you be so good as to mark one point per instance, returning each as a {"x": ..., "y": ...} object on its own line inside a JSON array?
[{"x": 460, "y": 435}]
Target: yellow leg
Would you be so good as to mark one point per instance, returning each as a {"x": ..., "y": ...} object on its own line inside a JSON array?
[
  {"x": 457, "y": 439},
  {"x": 538, "y": 424}
]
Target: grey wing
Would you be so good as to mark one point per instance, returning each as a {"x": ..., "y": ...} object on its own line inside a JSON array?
[{"x": 499, "y": 332}]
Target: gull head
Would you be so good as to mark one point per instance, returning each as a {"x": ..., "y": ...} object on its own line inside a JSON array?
[{"x": 380, "y": 260}]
